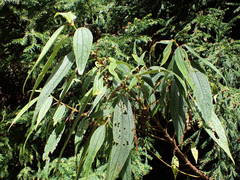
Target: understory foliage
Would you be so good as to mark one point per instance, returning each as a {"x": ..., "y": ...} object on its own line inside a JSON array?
[{"x": 105, "y": 88}]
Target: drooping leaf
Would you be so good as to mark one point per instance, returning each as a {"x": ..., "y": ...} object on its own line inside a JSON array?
[
  {"x": 97, "y": 99},
  {"x": 205, "y": 61},
  {"x": 43, "y": 110},
  {"x": 127, "y": 173},
  {"x": 194, "y": 152},
  {"x": 44, "y": 51},
  {"x": 98, "y": 84},
  {"x": 179, "y": 57},
  {"x": 202, "y": 93},
  {"x": 58, "y": 74},
  {"x": 123, "y": 125},
  {"x": 166, "y": 53},
  {"x": 177, "y": 111},
  {"x": 67, "y": 85},
  {"x": 47, "y": 66},
  {"x": 216, "y": 131},
  {"x": 69, "y": 16},
  {"x": 139, "y": 60},
  {"x": 53, "y": 140},
  {"x": 23, "y": 110},
  {"x": 59, "y": 114},
  {"x": 175, "y": 166},
  {"x": 111, "y": 68},
  {"x": 81, "y": 129},
  {"x": 95, "y": 144},
  {"x": 82, "y": 43}
]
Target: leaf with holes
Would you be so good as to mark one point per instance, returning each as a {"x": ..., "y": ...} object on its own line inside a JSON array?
[{"x": 123, "y": 126}]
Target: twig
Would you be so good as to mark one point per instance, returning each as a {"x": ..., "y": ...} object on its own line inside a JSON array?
[{"x": 180, "y": 154}]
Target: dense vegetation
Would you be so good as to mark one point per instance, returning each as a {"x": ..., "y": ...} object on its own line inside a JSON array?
[{"x": 119, "y": 89}]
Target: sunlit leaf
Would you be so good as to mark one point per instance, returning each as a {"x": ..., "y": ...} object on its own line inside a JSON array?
[
  {"x": 194, "y": 152},
  {"x": 23, "y": 110},
  {"x": 166, "y": 53},
  {"x": 58, "y": 74},
  {"x": 44, "y": 51},
  {"x": 216, "y": 131},
  {"x": 175, "y": 166},
  {"x": 123, "y": 125},
  {"x": 179, "y": 57},
  {"x": 95, "y": 144},
  {"x": 43, "y": 110},
  {"x": 82, "y": 43},
  {"x": 53, "y": 140},
  {"x": 98, "y": 84},
  {"x": 47, "y": 66},
  {"x": 202, "y": 93},
  {"x": 69, "y": 16},
  {"x": 59, "y": 114}
]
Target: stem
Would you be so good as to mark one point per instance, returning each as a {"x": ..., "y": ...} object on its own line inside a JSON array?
[{"x": 182, "y": 156}]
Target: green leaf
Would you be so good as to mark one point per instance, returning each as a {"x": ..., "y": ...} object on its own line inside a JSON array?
[
  {"x": 175, "y": 166},
  {"x": 127, "y": 173},
  {"x": 81, "y": 129},
  {"x": 194, "y": 152},
  {"x": 82, "y": 43},
  {"x": 139, "y": 60},
  {"x": 205, "y": 61},
  {"x": 67, "y": 85},
  {"x": 69, "y": 16},
  {"x": 179, "y": 57},
  {"x": 59, "y": 114},
  {"x": 123, "y": 125},
  {"x": 202, "y": 93},
  {"x": 58, "y": 74},
  {"x": 98, "y": 84},
  {"x": 53, "y": 140},
  {"x": 44, "y": 51},
  {"x": 43, "y": 110},
  {"x": 166, "y": 53},
  {"x": 47, "y": 66},
  {"x": 177, "y": 111},
  {"x": 95, "y": 144},
  {"x": 23, "y": 110},
  {"x": 216, "y": 131},
  {"x": 111, "y": 68}
]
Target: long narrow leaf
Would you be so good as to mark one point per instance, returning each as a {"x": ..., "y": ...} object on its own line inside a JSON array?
[
  {"x": 166, "y": 53},
  {"x": 23, "y": 110},
  {"x": 202, "y": 93},
  {"x": 53, "y": 140},
  {"x": 58, "y": 74},
  {"x": 217, "y": 133},
  {"x": 123, "y": 125},
  {"x": 95, "y": 144},
  {"x": 46, "y": 67},
  {"x": 43, "y": 110},
  {"x": 205, "y": 61},
  {"x": 44, "y": 51},
  {"x": 177, "y": 111}
]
